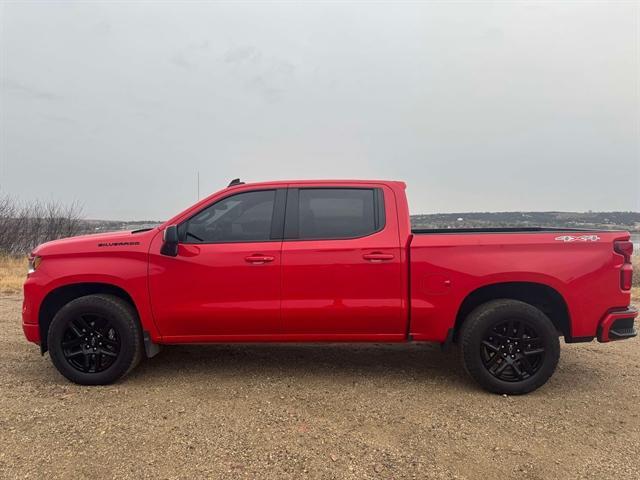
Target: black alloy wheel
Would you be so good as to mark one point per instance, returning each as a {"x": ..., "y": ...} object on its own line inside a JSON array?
[
  {"x": 95, "y": 339},
  {"x": 90, "y": 343},
  {"x": 512, "y": 351},
  {"x": 509, "y": 346}
]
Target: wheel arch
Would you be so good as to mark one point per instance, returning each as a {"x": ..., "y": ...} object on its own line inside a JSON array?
[
  {"x": 60, "y": 296},
  {"x": 545, "y": 298}
]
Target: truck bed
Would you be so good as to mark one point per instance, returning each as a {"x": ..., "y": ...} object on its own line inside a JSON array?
[{"x": 448, "y": 265}]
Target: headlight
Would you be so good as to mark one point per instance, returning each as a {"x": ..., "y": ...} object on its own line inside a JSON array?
[{"x": 34, "y": 262}]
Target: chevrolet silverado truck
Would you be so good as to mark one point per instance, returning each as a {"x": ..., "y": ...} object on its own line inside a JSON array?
[{"x": 327, "y": 261}]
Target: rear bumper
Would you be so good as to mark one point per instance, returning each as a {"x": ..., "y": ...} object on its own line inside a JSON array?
[{"x": 618, "y": 325}]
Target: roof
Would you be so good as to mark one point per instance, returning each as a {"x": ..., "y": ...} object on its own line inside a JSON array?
[{"x": 334, "y": 181}]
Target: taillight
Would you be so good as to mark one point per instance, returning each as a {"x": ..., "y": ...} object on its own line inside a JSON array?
[
  {"x": 626, "y": 277},
  {"x": 625, "y": 248}
]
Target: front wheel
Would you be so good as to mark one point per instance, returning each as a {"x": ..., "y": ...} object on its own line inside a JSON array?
[
  {"x": 509, "y": 347},
  {"x": 95, "y": 339}
]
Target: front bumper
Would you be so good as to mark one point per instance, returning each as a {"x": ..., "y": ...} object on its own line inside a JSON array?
[
  {"x": 32, "y": 332},
  {"x": 31, "y": 302},
  {"x": 618, "y": 325}
]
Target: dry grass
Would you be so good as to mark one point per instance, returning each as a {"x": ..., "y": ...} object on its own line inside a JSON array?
[{"x": 13, "y": 271}]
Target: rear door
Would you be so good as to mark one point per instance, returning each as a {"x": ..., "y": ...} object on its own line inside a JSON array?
[{"x": 341, "y": 264}]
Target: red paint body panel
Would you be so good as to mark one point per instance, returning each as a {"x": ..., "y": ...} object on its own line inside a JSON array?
[
  {"x": 330, "y": 287},
  {"x": 390, "y": 286},
  {"x": 79, "y": 260},
  {"x": 212, "y": 290},
  {"x": 586, "y": 274}
]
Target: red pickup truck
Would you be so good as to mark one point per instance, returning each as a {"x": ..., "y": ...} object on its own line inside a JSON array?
[{"x": 327, "y": 261}]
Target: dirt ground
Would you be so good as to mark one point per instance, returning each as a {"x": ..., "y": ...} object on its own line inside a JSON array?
[{"x": 336, "y": 411}]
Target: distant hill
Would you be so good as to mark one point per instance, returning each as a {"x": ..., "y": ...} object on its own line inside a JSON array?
[
  {"x": 98, "y": 226},
  {"x": 603, "y": 220}
]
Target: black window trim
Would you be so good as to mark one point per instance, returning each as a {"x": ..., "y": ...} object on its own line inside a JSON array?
[
  {"x": 291, "y": 216},
  {"x": 277, "y": 217}
]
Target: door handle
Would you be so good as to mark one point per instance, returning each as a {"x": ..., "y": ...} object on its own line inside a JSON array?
[
  {"x": 259, "y": 259},
  {"x": 377, "y": 256}
]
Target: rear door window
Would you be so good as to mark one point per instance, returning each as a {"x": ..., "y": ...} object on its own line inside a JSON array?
[{"x": 334, "y": 213}]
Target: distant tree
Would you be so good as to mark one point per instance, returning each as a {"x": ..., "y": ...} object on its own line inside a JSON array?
[{"x": 24, "y": 225}]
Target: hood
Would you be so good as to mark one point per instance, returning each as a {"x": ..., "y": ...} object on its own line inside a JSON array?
[{"x": 97, "y": 242}]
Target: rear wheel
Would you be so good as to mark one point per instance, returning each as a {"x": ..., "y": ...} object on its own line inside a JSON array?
[
  {"x": 509, "y": 346},
  {"x": 95, "y": 340}
]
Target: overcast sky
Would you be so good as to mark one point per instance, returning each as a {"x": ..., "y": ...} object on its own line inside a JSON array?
[{"x": 477, "y": 106}]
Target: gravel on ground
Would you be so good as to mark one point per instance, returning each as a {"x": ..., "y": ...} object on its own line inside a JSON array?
[{"x": 316, "y": 411}]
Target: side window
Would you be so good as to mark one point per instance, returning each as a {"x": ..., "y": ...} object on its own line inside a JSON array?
[
  {"x": 245, "y": 217},
  {"x": 339, "y": 212}
]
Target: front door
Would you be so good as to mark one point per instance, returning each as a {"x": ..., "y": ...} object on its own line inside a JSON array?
[{"x": 225, "y": 280}]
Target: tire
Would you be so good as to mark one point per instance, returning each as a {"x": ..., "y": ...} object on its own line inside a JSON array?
[
  {"x": 509, "y": 347},
  {"x": 95, "y": 339}
]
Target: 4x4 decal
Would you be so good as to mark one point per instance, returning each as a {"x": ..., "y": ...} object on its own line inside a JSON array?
[{"x": 581, "y": 238}]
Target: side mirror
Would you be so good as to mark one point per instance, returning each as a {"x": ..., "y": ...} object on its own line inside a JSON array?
[{"x": 170, "y": 244}]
